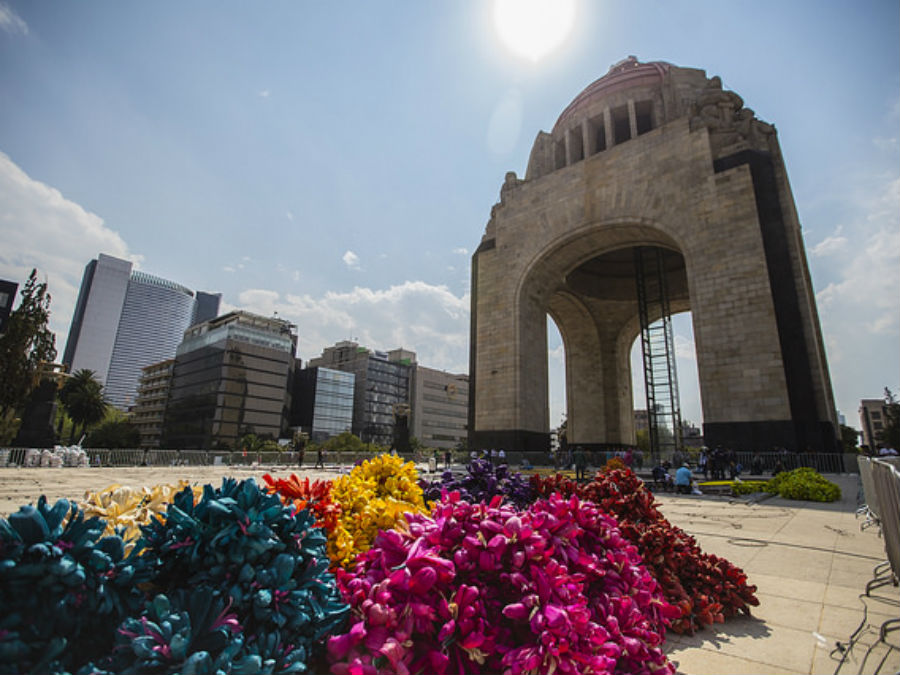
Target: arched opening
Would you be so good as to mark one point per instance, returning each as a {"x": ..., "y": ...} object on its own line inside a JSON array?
[
  {"x": 594, "y": 320},
  {"x": 688, "y": 381}
]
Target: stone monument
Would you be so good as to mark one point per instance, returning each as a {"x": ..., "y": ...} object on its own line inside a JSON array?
[{"x": 650, "y": 157}]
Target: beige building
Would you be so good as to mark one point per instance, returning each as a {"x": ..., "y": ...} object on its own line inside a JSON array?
[
  {"x": 150, "y": 402},
  {"x": 641, "y": 420},
  {"x": 440, "y": 403},
  {"x": 872, "y": 416}
]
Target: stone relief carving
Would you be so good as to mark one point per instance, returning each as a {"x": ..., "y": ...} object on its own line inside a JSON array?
[{"x": 723, "y": 112}]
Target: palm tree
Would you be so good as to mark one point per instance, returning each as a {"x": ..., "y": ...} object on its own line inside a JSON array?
[{"x": 82, "y": 398}]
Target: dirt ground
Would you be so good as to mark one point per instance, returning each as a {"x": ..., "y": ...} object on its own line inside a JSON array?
[{"x": 20, "y": 486}]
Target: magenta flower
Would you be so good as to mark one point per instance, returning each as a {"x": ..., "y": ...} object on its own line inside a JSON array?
[{"x": 482, "y": 588}]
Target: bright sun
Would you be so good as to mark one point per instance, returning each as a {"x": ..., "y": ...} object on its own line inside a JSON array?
[{"x": 533, "y": 28}]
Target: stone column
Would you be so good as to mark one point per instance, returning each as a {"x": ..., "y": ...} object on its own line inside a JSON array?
[
  {"x": 632, "y": 118},
  {"x": 608, "y": 128},
  {"x": 584, "y": 369},
  {"x": 589, "y": 138}
]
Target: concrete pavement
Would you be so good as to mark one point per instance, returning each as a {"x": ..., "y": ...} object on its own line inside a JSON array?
[{"x": 810, "y": 563}]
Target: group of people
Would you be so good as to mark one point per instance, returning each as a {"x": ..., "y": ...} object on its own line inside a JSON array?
[
  {"x": 682, "y": 482},
  {"x": 320, "y": 457},
  {"x": 633, "y": 458},
  {"x": 719, "y": 462},
  {"x": 491, "y": 455}
]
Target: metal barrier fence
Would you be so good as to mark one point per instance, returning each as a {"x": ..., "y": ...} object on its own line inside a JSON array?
[
  {"x": 13, "y": 457},
  {"x": 767, "y": 461},
  {"x": 21, "y": 457}
]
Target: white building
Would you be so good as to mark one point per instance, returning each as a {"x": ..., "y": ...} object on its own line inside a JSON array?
[{"x": 440, "y": 407}]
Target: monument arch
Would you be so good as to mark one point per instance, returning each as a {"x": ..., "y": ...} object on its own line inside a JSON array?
[{"x": 656, "y": 162}]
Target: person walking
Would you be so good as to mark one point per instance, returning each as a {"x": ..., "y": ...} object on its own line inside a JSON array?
[
  {"x": 580, "y": 457},
  {"x": 320, "y": 458}
]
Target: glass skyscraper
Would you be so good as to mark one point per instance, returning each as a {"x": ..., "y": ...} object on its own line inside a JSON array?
[{"x": 125, "y": 320}]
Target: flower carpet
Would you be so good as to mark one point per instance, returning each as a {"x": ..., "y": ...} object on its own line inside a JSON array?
[{"x": 374, "y": 572}]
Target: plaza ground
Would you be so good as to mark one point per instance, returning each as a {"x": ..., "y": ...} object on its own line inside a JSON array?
[{"x": 809, "y": 561}]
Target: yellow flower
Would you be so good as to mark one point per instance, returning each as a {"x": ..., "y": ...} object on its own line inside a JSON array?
[
  {"x": 126, "y": 508},
  {"x": 375, "y": 496}
]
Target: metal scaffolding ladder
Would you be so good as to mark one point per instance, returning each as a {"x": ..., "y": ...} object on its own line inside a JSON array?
[{"x": 658, "y": 349}]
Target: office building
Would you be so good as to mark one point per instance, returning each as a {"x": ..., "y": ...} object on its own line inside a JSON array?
[
  {"x": 7, "y": 299},
  {"x": 232, "y": 376},
  {"x": 381, "y": 391},
  {"x": 641, "y": 420},
  {"x": 322, "y": 404},
  {"x": 872, "y": 418},
  {"x": 439, "y": 407},
  {"x": 150, "y": 404},
  {"x": 125, "y": 319}
]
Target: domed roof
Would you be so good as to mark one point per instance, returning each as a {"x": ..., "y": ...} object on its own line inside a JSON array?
[{"x": 623, "y": 75}]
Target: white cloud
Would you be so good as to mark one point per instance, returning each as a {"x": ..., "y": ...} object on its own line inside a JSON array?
[
  {"x": 684, "y": 348},
  {"x": 351, "y": 260},
  {"x": 415, "y": 315},
  {"x": 866, "y": 294},
  {"x": 461, "y": 251},
  {"x": 265, "y": 93},
  {"x": 831, "y": 244},
  {"x": 886, "y": 144},
  {"x": 42, "y": 229},
  {"x": 10, "y": 21},
  {"x": 859, "y": 309},
  {"x": 557, "y": 354}
]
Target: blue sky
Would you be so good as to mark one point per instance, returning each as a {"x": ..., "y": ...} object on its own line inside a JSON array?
[{"x": 337, "y": 162}]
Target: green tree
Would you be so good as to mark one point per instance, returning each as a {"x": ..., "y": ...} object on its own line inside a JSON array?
[
  {"x": 114, "y": 433},
  {"x": 249, "y": 442},
  {"x": 344, "y": 442},
  {"x": 25, "y": 346},
  {"x": 643, "y": 442},
  {"x": 82, "y": 399},
  {"x": 890, "y": 434},
  {"x": 849, "y": 438},
  {"x": 270, "y": 445}
]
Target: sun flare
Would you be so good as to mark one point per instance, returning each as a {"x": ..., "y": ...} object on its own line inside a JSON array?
[{"x": 533, "y": 28}]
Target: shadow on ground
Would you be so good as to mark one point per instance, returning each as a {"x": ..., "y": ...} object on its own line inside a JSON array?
[{"x": 719, "y": 635}]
